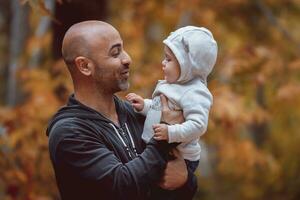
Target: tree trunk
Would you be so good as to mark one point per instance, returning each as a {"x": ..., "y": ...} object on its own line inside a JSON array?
[
  {"x": 41, "y": 30},
  {"x": 260, "y": 130},
  {"x": 18, "y": 34},
  {"x": 4, "y": 27},
  {"x": 74, "y": 11}
]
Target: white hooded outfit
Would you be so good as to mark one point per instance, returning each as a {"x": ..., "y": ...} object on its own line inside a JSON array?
[{"x": 196, "y": 53}]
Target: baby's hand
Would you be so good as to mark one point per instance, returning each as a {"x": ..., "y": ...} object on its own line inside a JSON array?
[
  {"x": 136, "y": 101},
  {"x": 160, "y": 132}
]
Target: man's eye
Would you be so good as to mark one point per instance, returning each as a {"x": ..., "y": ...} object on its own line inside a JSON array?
[{"x": 116, "y": 53}]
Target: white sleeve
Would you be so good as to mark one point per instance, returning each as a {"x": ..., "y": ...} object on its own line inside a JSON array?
[
  {"x": 147, "y": 104},
  {"x": 196, "y": 105}
]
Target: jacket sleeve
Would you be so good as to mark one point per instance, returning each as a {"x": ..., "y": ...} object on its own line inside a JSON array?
[
  {"x": 189, "y": 189},
  {"x": 196, "y": 104},
  {"x": 93, "y": 161}
]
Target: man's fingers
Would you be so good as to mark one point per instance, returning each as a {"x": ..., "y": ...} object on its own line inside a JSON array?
[
  {"x": 176, "y": 153},
  {"x": 164, "y": 103},
  {"x": 164, "y": 185}
]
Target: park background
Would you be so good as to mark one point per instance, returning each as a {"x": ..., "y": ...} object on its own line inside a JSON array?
[{"x": 252, "y": 147}]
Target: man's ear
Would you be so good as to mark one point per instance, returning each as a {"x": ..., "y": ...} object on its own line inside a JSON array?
[{"x": 83, "y": 65}]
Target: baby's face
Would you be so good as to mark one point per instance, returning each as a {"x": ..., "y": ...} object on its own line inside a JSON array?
[{"x": 171, "y": 66}]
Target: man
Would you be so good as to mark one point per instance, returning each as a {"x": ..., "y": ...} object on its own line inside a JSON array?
[{"x": 95, "y": 140}]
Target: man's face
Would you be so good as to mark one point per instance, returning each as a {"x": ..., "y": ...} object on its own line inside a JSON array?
[{"x": 111, "y": 62}]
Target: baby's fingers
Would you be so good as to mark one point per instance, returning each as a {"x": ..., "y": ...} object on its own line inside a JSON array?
[
  {"x": 158, "y": 137},
  {"x": 156, "y": 128},
  {"x": 130, "y": 95}
]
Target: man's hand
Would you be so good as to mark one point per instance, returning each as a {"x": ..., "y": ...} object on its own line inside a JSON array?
[
  {"x": 136, "y": 101},
  {"x": 161, "y": 132},
  {"x": 169, "y": 116},
  {"x": 175, "y": 174}
]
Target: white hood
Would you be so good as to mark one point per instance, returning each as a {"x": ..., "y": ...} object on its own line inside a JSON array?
[{"x": 196, "y": 52}]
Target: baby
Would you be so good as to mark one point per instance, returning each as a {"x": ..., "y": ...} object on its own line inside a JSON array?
[{"x": 190, "y": 55}]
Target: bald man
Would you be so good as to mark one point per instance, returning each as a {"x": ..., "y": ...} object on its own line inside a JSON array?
[{"x": 95, "y": 140}]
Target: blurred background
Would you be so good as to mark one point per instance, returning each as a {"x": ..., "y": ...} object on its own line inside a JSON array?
[{"x": 252, "y": 146}]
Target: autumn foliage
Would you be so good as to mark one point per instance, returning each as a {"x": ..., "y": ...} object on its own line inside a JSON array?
[{"x": 251, "y": 149}]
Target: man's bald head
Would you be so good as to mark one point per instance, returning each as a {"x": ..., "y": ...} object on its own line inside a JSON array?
[{"x": 79, "y": 39}]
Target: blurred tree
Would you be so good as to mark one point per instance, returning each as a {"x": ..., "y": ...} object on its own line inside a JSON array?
[
  {"x": 18, "y": 36},
  {"x": 252, "y": 142},
  {"x": 4, "y": 32},
  {"x": 69, "y": 12},
  {"x": 41, "y": 30},
  {"x": 257, "y": 40}
]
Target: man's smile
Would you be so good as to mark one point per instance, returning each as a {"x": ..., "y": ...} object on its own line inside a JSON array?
[{"x": 125, "y": 73}]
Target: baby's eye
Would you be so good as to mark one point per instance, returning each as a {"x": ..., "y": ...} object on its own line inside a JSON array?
[{"x": 167, "y": 59}]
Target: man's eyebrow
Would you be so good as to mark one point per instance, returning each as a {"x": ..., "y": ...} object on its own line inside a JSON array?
[{"x": 115, "y": 45}]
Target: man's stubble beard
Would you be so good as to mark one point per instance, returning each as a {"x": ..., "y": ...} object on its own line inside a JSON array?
[
  {"x": 123, "y": 85},
  {"x": 120, "y": 84}
]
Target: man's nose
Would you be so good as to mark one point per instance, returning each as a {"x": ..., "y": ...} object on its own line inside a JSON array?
[
  {"x": 163, "y": 62},
  {"x": 126, "y": 60}
]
